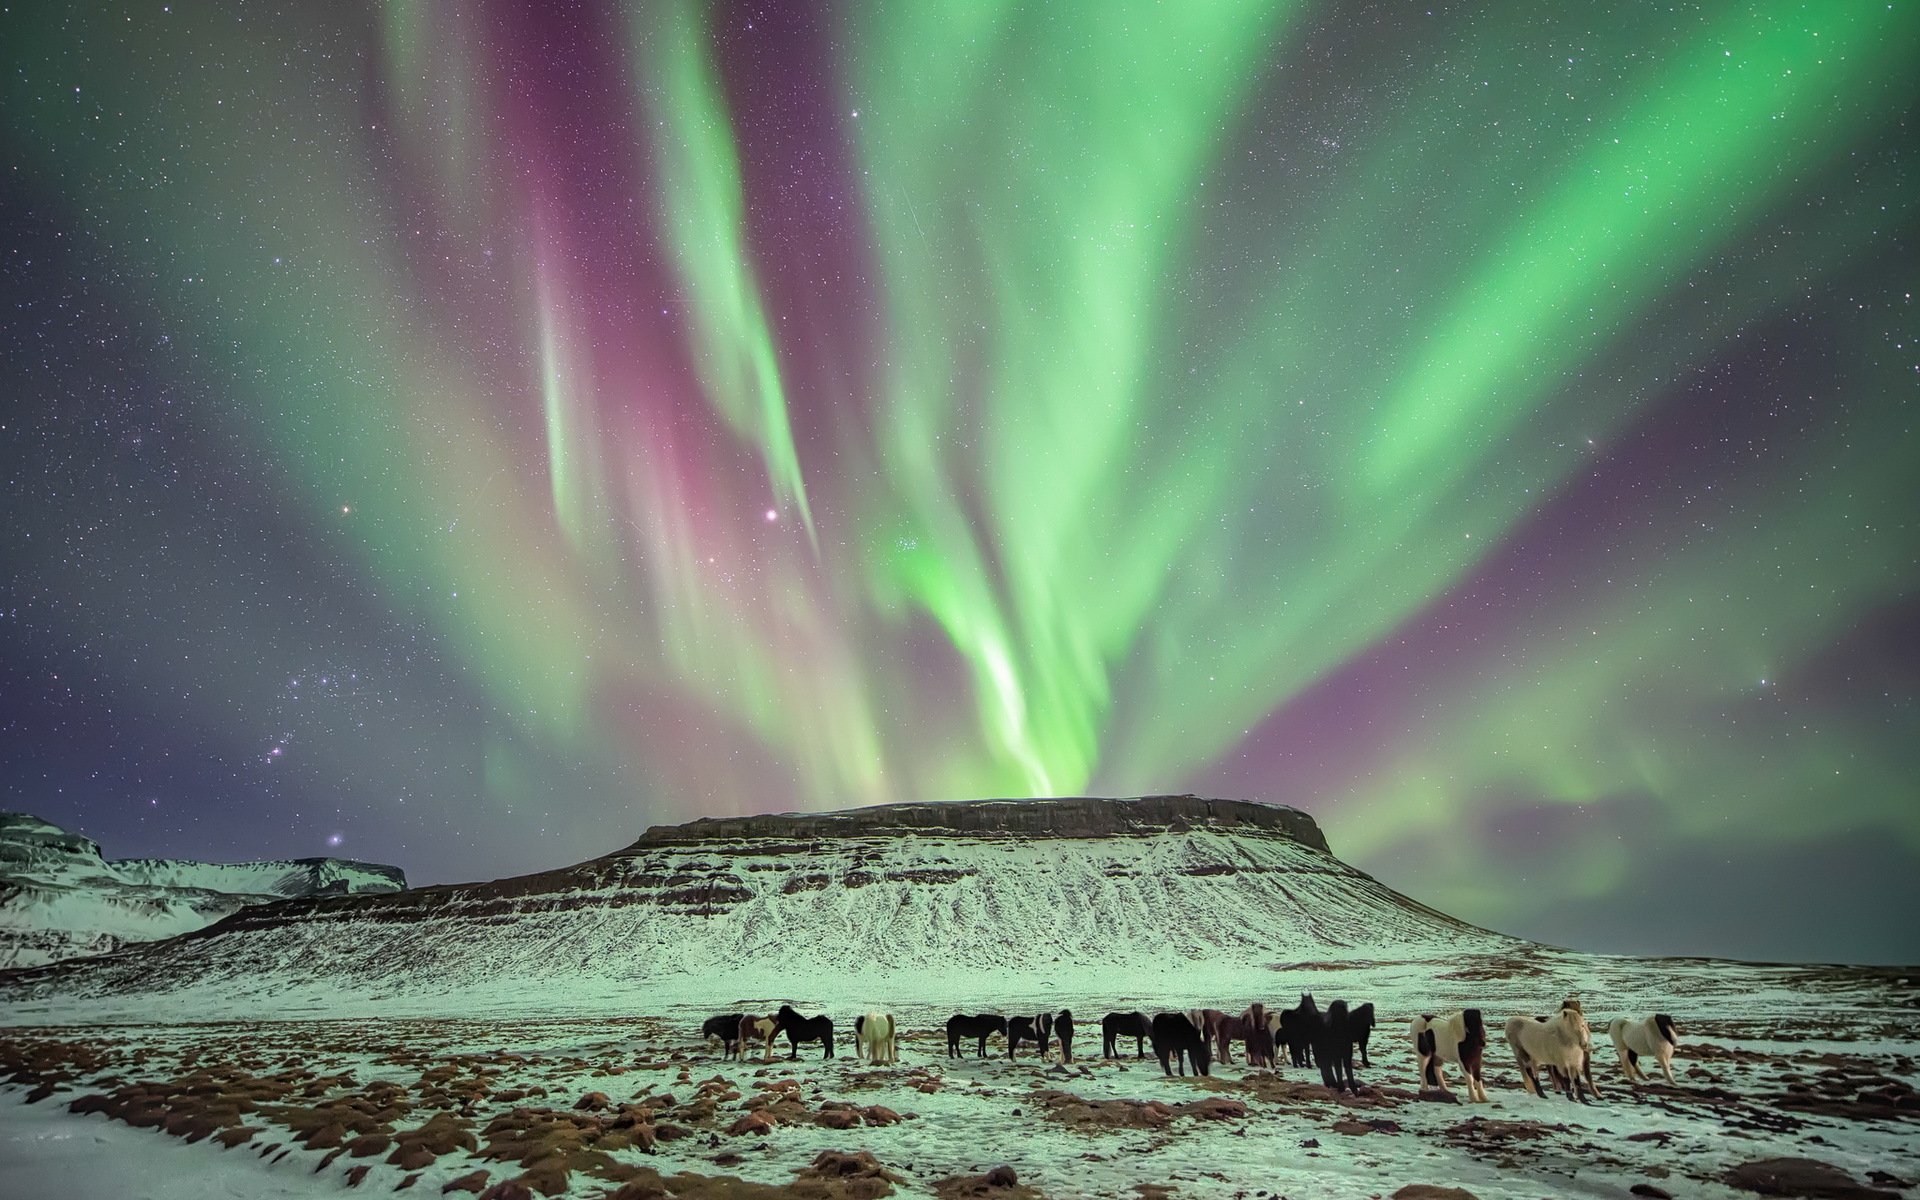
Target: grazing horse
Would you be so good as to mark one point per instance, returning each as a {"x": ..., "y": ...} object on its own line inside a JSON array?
[
  {"x": 758, "y": 1029},
  {"x": 1654, "y": 1036},
  {"x": 960, "y": 1025},
  {"x": 1296, "y": 1029},
  {"x": 1115, "y": 1026},
  {"x": 1562, "y": 1044},
  {"x": 1226, "y": 1030},
  {"x": 1459, "y": 1038},
  {"x": 1259, "y": 1035},
  {"x": 1063, "y": 1029},
  {"x": 1332, "y": 1039},
  {"x": 806, "y": 1029},
  {"x": 1360, "y": 1024},
  {"x": 1027, "y": 1029},
  {"x": 1179, "y": 1038},
  {"x": 873, "y": 1038},
  {"x": 726, "y": 1028}
]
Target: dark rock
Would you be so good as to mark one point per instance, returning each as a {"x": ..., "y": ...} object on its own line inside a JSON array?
[
  {"x": 1802, "y": 1177},
  {"x": 1067, "y": 817},
  {"x": 1003, "y": 1176}
]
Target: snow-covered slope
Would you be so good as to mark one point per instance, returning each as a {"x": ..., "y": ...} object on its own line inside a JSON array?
[
  {"x": 60, "y": 899},
  {"x": 899, "y": 900}
]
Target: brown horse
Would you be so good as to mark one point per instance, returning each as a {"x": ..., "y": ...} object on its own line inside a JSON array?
[
  {"x": 1225, "y": 1030},
  {"x": 758, "y": 1029},
  {"x": 1259, "y": 1037}
]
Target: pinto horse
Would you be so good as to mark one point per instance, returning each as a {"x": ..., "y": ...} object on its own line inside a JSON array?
[
  {"x": 805, "y": 1029},
  {"x": 1028, "y": 1029},
  {"x": 1180, "y": 1038},
  {"x": 758, "y": 1029},
  {"x": 873, "y": 1038},
  {"x": 1296, "y": 1029},
  {"x": 981, "y": 1026},
  {"x": 1063, "y": 1029},
  {"x": 1459, "y": 1038},
  {"x": 726, "y": 1028},
  {"x": 1654, "y": 1036},
  {"x": 1115, "y": 1026}
]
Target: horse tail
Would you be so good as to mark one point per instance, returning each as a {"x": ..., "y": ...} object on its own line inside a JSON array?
[
  {"x": 1475, "y": 1027},
  {"x": 1667, "y": 1029}
]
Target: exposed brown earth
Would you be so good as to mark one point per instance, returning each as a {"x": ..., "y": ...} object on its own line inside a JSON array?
[{"x": 625, "y": 1108}]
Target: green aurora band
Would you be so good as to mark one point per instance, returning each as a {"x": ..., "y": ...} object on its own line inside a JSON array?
[{"x": 1196, "y": 357}]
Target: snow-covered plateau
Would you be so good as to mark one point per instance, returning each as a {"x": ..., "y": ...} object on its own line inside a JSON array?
[{"x": 540, "y": 1035}]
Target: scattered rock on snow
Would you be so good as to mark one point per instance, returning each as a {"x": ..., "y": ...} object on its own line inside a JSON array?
[{"x": 1806, "y": 1177}]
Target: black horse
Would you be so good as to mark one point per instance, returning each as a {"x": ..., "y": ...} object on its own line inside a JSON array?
[
  {"x": 1178, "y": 1041},
  {"x": 1028, "y": 1029},
  {"x": 1332, "y": 1040},
  {"x": 1360, "y": 1023},
  {"x": 1296, "y": 1029},
  {"x": 806, "y": 1029},
  {"x": 982, "y": 1026},
  {"x": 727, "y": 1029},
  {"x": 1115, "y": 1026},
  {"x": 1063, "y": 1029}
]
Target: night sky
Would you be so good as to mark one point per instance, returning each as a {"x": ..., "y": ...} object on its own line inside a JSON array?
[{"x": 461, "y": 435}]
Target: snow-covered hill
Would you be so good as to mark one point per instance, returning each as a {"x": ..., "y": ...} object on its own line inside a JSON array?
[
  {"x": 59, "y": 898},
  {"x": 902, "y": 900}
]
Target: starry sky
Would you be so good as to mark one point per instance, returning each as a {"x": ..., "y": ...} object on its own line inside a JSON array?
[{"x": 459, "y": 435}]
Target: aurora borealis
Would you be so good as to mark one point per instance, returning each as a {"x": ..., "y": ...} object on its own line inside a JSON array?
[{"x": 460, "y": 435}]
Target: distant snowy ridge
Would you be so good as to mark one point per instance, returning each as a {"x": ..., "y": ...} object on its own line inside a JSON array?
[
  {"x": 893, "y": 900},
  {"x": 59, "y": 898}
]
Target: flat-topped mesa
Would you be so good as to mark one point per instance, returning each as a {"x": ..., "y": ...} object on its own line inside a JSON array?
[{"x": 1064, "y": 817}]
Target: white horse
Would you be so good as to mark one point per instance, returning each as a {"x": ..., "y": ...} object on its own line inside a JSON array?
[
  {"x": 1562, "y": 1045},
  {"x": 873, "y": 1038},
  {"x": 1459, "y": 1038},
  {"x": 1655, "y": 1036}
]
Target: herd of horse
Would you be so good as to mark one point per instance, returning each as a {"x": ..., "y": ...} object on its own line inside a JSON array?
[{"x": 1552, "y": 1051}]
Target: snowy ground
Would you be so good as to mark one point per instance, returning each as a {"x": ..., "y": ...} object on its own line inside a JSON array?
[{"x": 1814, "y": 1064}]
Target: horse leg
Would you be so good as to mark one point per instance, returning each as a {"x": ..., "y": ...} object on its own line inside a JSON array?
[{"x": 1527, "y": 1068}]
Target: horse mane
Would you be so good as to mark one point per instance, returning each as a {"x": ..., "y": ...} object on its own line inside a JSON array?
[{"x": 1665, "y": 1024}]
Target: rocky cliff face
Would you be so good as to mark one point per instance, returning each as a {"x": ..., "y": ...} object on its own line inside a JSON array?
[
  {"x": 1070, "y": 817},
  {"x": 59, "y": 898},
  {"x": 925, "y": 899}
]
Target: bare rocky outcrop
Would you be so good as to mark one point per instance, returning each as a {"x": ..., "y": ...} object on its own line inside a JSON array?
[{"x": 1066, "y": 817}]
